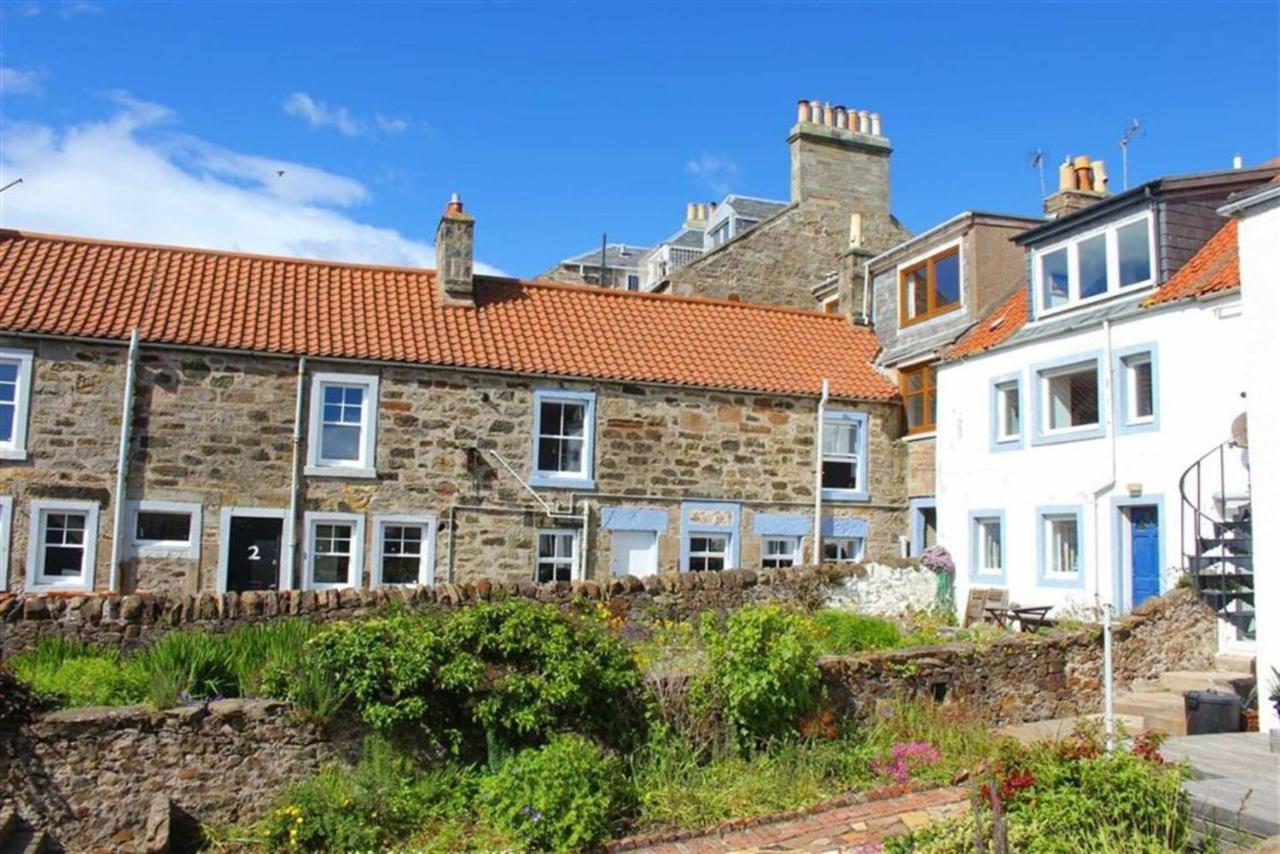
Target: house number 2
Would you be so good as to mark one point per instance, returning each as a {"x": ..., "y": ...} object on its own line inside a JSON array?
[{"x": 253, "y": 553}]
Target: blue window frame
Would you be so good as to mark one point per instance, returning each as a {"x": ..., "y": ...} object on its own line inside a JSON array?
[
  {"x": 923, "y": 524},
  {"x": 844, "y": 456},
  {"x": 564, "y": 428},
  {"x": 709, "y": 535},
  {"x": 1070, "y": 404},
  {"x": 1060, "y": 550},
  {"x": 988, "y": 548},
  {"x": 1137, "y": 388},
  {"x": 1008, "y": 412}
]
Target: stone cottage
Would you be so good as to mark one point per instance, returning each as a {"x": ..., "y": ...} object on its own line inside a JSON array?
[{"x": 186, "y": 419}]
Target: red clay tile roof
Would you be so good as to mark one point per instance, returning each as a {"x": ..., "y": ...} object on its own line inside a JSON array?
[
  {"x": 66, "y": 286},
  {"x": 1216, "y": 267},
  {"x": 995, "y": 328}
]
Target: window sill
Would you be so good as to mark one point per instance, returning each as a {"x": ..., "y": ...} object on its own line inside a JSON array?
[
  {"x": 1066, "y": 436},
  {"x": 549, "y": 482},
  {"x": 922, "y": 435},
  {"x": 70, "y": 587},
  {"x": 921, "y": 319},
  {"x": 850, "y": 495},
  {"x": 172, "y": 552},
  {"x": 20, "y": 456},
  {"x": 342, "y": 586},
  {"x": 340, "y": 471},
  {"x": 1148, "y": 426}
]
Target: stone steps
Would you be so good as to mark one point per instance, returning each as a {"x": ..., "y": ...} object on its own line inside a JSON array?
[
  {"x": 1177, "y": 681},
  {"x": 1234, "y": 662},
  {"x": 1162, "y": 710}
]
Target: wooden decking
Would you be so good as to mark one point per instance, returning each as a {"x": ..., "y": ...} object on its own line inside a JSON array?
[{"x": 1235, "y": 783}]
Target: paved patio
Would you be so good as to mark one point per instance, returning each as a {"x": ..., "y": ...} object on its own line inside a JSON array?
[{"x": 1235, "y": 781}]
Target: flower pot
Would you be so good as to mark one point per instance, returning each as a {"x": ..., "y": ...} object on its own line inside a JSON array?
[{"x": 1250, "y": 720}]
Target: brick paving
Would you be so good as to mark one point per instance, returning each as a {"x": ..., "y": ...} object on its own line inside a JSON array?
[{"x": 852, "y": 829}]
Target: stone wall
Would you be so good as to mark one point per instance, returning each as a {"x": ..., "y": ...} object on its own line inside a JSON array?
[
  {"x": 922, "y": 455},
  {"x": 89, "y": 776},
  {"x": 886, "y": 589},
  {"x": 127, "y": 621},
  {"x": 216, "y": 431},
  {"x": 1033, "y": 677}
]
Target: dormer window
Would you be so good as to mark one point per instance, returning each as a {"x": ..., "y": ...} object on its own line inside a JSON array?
[{"x": 1094, "y": 265}]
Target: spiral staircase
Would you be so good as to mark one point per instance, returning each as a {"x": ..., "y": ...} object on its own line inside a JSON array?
[{"x": 1217, "y": 535}]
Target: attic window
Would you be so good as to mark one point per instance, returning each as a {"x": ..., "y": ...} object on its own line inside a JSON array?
[
  {"x": 1095, "y": 265},
  {"x": 929, "y": 287}
]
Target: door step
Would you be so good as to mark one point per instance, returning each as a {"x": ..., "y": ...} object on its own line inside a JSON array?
[
  {"x": 1234, "y": 662},
  {"x": 1159, "y": 710}
]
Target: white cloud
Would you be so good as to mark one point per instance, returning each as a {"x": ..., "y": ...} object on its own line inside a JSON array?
[
  {"x": 15, "y": 81},
  {"x": 318, "y": 114},
  {"x": 714, "y": 171},
  {"x": 65, "y": 9},
  {"x": 131, "y": 176}
]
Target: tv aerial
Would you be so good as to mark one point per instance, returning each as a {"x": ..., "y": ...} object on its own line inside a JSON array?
[{"x": 1135, "y": 130}]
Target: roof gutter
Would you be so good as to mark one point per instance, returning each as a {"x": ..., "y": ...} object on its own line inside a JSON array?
[{"x": 1241, "y": 205}]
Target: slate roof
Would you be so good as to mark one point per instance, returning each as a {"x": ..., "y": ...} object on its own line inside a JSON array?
[
  {"x": 621, "y": 255},
  {"x": 751, "y": 208},
  {"x": 66, "y": 286}
]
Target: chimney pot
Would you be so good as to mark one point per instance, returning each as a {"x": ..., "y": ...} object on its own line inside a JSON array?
[
  {"x": 864, "y": 121},
  {"x": 842, "y": 118},
  {"x": 855, "y": 230},
  {"x": 1099, "y": 176},
  {"x": 875, "y": 124},
  {"x": 1084, "y": 173},
  {"x": 828, "y": 115},
  {"x": 802, "y": 112},
  {"x": 1237, "y": 162},
  {"x": 1066, "y": 175},
  {"x": 455, "y": 247},
  {"x": 691, "y": 211}
]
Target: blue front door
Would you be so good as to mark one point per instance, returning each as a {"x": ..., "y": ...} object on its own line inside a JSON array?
[{"x": 1144, "y": 555}]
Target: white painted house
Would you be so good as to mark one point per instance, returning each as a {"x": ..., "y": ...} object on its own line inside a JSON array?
[
  {"x": 1259, "y": 239},
  {"x": 1087, "y": 454}
]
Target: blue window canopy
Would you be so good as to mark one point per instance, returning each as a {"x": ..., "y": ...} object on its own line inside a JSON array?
[
  {"x": 782, "y": 525},
  {"x": 633, "y": 519},
  {"x": 844, "y": 527}
]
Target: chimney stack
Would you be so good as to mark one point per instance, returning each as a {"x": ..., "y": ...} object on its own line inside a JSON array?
[
  {"x": 1081, "y": 183},
  {"x": 839, "y": 153},
  {"x": 455, "y": 252}
]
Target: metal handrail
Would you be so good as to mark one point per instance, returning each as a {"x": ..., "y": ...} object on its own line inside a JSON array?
[{"x": 1198, "y": 515}]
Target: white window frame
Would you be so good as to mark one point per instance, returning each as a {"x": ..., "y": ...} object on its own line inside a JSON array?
[
  {"x": 15, "y": 448},
  {"x": 584, "y": 478},
  {"x": 1130, "y": 363},
  {"x": 575, "y": 558},
  {"x": 981, "y": 527},
  {"x": 861, "y": 421},
  {"x": 726, "y": 556},
  {"x": 1048, "y": 520},
  {"x": 39, "y": 509},
  {"x": 189, "y": 550},
  {"x": 1046, "y": 376},
  {"x": 857, "y": 553},
  {"x": 355, "y": 571},
  {"x": 1072, "y": 245},
  {"x": 6, "y": 536},
  {"x": 793, "y": 557},
  {"x": 364, "y": 467},
  {"x": 426, "y": 561}
]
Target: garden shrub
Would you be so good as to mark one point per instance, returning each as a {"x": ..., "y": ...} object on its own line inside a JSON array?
[
  {"x": 840, "y": 632},
  {"x": 378, "y": 804},
  {"x": 564, "y": 796},
  {"x": 506, "y": 674},
  {"x": 764, "y": 670},
  {"x": 76, "y": 674}
]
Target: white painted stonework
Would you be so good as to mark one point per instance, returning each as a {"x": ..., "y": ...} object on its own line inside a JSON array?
[
  {"x": 1200, "y": 347},
  {"x": 1260, "y": 282},
  {"x": 886, "y": 591}
]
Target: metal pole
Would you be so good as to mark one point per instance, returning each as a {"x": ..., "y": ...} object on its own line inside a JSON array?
[
  {"x": 1108, "y": 680},
  {"x": 817, "y": 476},
  {"x": 604, "y": 248},
  {"x": 285, "y": 579},
  {"x": 122, "y": 462}
]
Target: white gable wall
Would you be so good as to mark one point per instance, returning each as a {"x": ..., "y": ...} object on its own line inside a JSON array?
[{"x": 1199, "y": 347}]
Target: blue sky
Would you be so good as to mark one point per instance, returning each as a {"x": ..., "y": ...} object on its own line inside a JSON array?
[{"x": 557, "y": 121}]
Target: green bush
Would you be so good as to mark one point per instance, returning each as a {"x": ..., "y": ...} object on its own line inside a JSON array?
[
  {"x": 506, "y": 673},
  {"x": 564, "y": 796},
  {"x": 844, "y": 632},
  {"x": 76, "y": 674},
  {"x": 382, "y": 802},
  {"x": 764, "y": 670}
]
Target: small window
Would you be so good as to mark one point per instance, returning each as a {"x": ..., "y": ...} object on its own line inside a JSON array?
[
  {"x": 405, "y": 550},
  {"x": 1008, "y": 412},
  {"x": 343, "y": 425},
  {"x": 831, "y": 305},
  {"x": 930, "y": 287},
  {"x": 990, "y": 538},
  {"x": 843, "y": 450},
  {"x": 919, "y": 386},
  {"x": 721, "y": 234},
  {"x": 633, "y": 282},
  {"x": 779, "y": 552},
  {"x": 1062, "y": 543},
  {"x": 1054, "y": 279},
  {"x": 1139, "y": 389},
  {"x": 165, "y": 529},
  {"x": 62, "y": 545},
  {"x": 708, "y": 552},
  {"x": 335, "y": 550},
  {"x": 1134, "y": 248},
  {"x": 563, "y": 432},
  {"x": 841, "y": 549},
  {"x": 557, "y": 556},
  {"x": 1072, "y": 397},
  {"x": 15, "y": 394}
]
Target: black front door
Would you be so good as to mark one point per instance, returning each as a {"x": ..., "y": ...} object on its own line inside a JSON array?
[{"x": 253, "y": 553}]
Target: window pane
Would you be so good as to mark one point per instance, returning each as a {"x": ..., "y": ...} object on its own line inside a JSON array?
[
  {"x": 1143, "y": 403},
  {"x": 1093, "y": 266},
  {"x": 331, "y": 569},
  {"x": 841, "y": 548},
  {"x": 916, "y": 292},
  {"x": 8, "y": 372},
  {"x": 1010, "y": 414},
  {"x": 332, "y": 395},
  {"x": 1064, "y": 553},
  {"x": 917, "y": 411},
  {"x": 340, "y": 443},
  {"x": 8, "y": 414},
  {"x": 946, "y": 280},
  {"x": 1053, "y": 278},
  {"x": 989, "y": 554},
  {"x": 839, "y": 475},
  {"x": 839, "y": 438},
  {"x": 574, "y": 418},
  {"x": 1135, "y": 253},
  {"x": 1073, "y": 399},
  {"x": 63, "y": 560},
  {"x": 167, "y": 527},
  {"x": 571, "y": 455}
]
